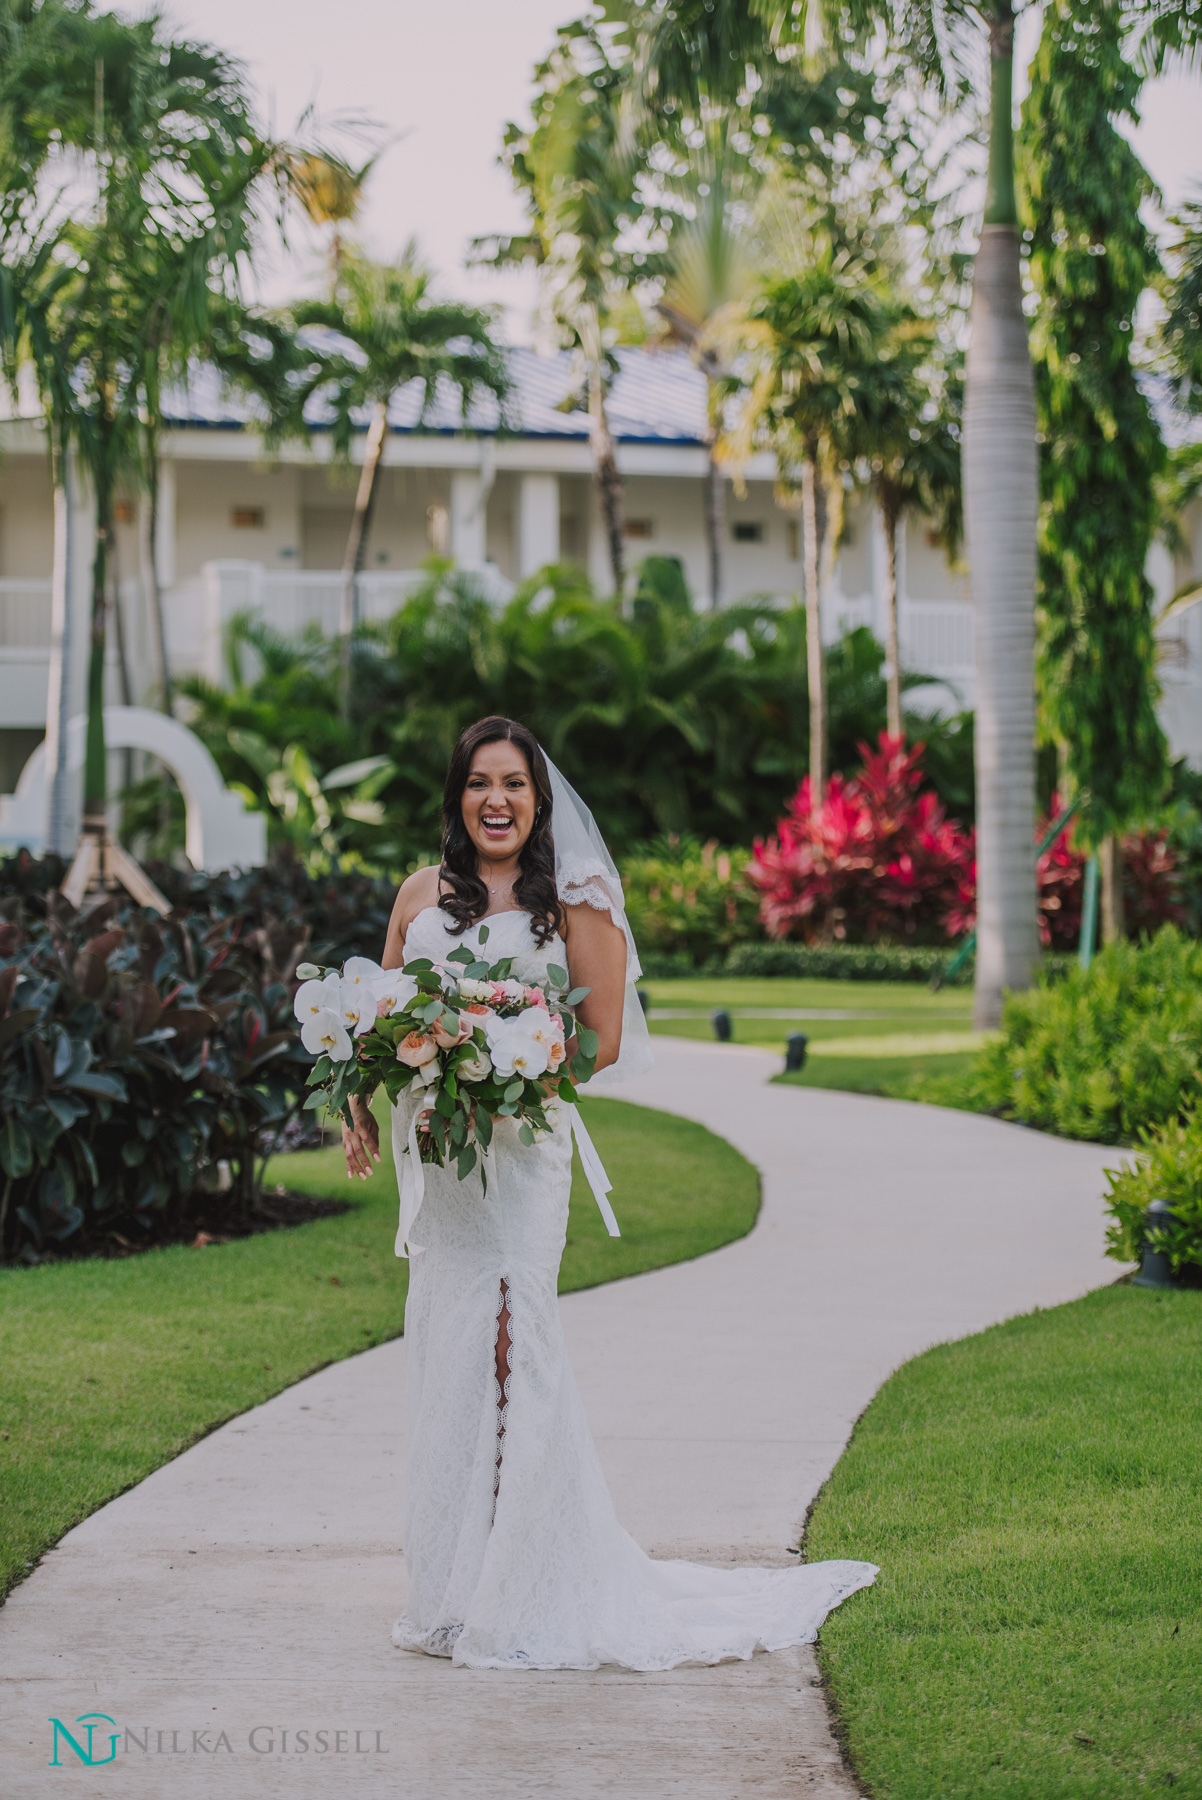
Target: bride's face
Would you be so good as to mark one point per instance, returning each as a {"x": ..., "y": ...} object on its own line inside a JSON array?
[{"x": 499, "y": 801}]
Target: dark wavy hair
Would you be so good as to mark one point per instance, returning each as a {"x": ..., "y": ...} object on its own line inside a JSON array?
[{"x": 534, "y": 890}]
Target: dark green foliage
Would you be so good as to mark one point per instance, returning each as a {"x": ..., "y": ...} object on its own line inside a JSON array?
[
  {"x": 859, "y": 962},
  {"x": 1108, "y": 1051},
  {"x": 141, "y": 1064},
  {"x": 137, "y": 1055},
  {"x": 1181, "y": 330},
  {"x": 1169, "y": 1168},
  {"x": 669, "y": 721},
  {"x": 1091, "y": 258}
]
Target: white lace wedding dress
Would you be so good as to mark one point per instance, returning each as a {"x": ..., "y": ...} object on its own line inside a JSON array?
[{"x": 533, "y": 1570}]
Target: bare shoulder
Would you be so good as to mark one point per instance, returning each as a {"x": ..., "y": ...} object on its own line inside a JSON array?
[
  {"x": 415, "y": 894},
  {"x": 419, "y": 890}
]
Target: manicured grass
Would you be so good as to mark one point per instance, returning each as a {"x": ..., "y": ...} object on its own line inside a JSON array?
[
  {"x": 1033, "y": 1496},
  {"x": 108, "y": 1369},
  {"x": 918, "y": 1031},
  {"x": 939, "y": 1080}
]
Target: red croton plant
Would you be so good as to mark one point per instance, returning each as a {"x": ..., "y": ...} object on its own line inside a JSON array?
[{"x": 879, "y": 859}]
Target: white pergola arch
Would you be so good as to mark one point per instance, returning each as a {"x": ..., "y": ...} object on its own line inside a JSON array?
[{"x": 220, "y": 832}]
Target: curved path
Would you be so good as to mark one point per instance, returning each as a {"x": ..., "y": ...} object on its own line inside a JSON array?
[{"x": 252, "y": 1582}]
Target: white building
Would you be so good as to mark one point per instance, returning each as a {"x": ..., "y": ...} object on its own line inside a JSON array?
[{"x": 237, "y": 531}]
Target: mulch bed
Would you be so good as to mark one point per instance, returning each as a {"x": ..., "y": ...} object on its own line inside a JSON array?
[{"x": 206, "y": 1220}]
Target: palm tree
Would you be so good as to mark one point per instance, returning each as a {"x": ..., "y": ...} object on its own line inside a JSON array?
[
  {"x": 714, "y": 262},
  {"x": 939, "y": 38},
  {"x": 330, "y": 192},
  {"x": 390, "y": 331},
  {"x": 913, "y": 454},
  {"x": 810, "y": 349},
  {"x": 575, "y": 170},
  {"x": 109, "y": 301}
]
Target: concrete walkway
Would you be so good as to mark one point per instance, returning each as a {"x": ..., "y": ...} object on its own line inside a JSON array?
[{"x": 252, "y": 1583}]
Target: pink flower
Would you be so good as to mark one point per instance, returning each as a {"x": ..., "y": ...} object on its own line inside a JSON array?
[
  {"x": 499, "y": 995},
  {"x": 534, "y": 996},
  {"x": 447, "y": 1040},
  {"x": 416, "y": 1049}
]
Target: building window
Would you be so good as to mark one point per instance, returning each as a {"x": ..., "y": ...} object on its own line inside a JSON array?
[
  {"x": 248, "y": 518},
  {"x": 747, "y": 531},
  {"x": 793, "y": 539},
  {"x": 640, "y": 528}
]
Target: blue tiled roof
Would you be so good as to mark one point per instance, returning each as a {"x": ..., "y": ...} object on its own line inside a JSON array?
[{"x": 657, "y": 396}]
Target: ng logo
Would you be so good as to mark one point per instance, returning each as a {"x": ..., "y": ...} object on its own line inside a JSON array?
[{"x": 89, "y": 1722}]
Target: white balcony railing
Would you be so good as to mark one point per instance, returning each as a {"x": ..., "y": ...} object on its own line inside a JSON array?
[{"x": 24, "y": 614}]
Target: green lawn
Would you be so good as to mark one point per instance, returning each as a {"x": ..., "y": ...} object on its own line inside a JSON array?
[
  {"x": 869, "y": 1037},
  {"x": 1033, "y": 1497},
  {"x": 108, "y": 1369}
]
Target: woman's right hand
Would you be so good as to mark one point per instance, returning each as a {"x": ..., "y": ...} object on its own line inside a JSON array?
[{"x": 360, "y": 1142}]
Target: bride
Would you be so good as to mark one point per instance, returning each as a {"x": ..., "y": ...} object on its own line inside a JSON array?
[{"x": 515, "y": 1555}]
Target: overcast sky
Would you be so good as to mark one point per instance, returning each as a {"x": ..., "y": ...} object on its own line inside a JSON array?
[{"x": 444, "y": 76}]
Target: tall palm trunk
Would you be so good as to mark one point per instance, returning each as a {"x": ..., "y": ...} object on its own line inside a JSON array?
[
  {"x": 715, "y": 525},
  {"x": 95, "y": 769},
  {"x": 356, "y": 543},
  {"x": 1114, "y": 911},
  {"x": 815, "y": 660},
  {"x": 62, "y": 653},
  {"x": 1001, "y": 490},
  {"x": 605, "y": 461},
  {"x": 890, "y": 519},
  {"x": 149, "y": 546},
  {"x": 609, "y": 482}
]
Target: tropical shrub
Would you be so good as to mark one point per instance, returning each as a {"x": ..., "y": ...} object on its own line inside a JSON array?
[
  {"x": 1168, "y": 1168},
  {"x": 146, "y": 1066},
  {"x": 1106, "y": 1052},
  {"x": 877, "y": 859},
  {"x": 689, "y": 899},
  {"x": 668, "y": 720},
  {"x": 1151, "y": 883},
  {"x": 343, "y": 911}
]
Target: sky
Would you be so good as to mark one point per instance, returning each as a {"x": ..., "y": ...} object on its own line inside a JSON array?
[{"x": 442, "y": 78}]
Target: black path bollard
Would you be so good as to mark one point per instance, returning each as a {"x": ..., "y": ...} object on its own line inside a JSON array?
[
  {"x": 724, "y": 1029},
  {"x": 1156, "y": 1271},
  {"x": 795, "y": 1052}
]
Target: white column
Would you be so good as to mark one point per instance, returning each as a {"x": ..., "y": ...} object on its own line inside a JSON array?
[
  {"x": 74, "y": 545},
  {"x": 538, "y": 523},
  {"x": 468, "y": 504},
  {"x": 164, "y": 548}
]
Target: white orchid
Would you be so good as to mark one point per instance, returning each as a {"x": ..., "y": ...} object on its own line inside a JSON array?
[
  {"x": 314, "y": 997},
  {"x": 358, "y": 993},
  {"x": 325, "y": 1034},
  {"x": 393, "y": 990},
  {"x": 518, "y": 1046}
]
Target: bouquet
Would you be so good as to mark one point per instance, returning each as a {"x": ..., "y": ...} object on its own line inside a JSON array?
[{"x": 478, "y": 1045}]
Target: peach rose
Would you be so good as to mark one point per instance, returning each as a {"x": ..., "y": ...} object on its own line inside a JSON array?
[
  {"x": 416, "y": 1049},
  {"x": 447, "y": 1040}
]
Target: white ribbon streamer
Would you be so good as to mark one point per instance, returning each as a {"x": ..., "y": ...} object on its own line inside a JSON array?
[
  {"x": 411, "y": 1180},
  {"x": 594, "y": 1170},
  {"x": 412, "y": 1184}
]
